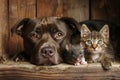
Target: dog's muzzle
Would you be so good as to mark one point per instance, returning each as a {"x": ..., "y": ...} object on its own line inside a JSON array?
[{"x": 47, "y": 52}]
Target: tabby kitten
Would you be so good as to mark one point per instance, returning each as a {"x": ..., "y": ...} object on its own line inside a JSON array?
[{"x": 97, "y": 46}]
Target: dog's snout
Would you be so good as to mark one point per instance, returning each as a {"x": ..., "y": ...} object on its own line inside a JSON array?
[{"x": 47, "y": 51}]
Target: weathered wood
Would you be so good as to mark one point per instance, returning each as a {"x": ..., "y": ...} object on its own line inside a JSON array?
[
  {"x": 78, "y": 9},
  {"x": 19, "y": 9},
  {"x": 106, "y": 10},
  {"x": 26, "y": 71},
  {"x": 3, "y": 26},
  {"x": 48, "y": 8}
]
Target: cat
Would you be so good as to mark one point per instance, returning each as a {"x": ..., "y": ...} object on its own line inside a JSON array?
[
  {"x": 97, "y": 46},
  {"x": 114, "y": 33}
]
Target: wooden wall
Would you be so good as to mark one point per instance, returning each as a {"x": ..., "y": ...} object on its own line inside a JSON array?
[
  {"x": 13, "y": 10},
  {"x": 3, "y": 26}
]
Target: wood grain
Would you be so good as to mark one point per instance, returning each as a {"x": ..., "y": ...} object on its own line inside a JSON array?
[
  {"x": 19, "y": 9},
  {"x": 105, "y": 10},
  {"x": 3, "y": 26},
  {"x": 27, "y": 71},
  {"x": 78, "y": 9},
  {"x": 48, "y": 8}
]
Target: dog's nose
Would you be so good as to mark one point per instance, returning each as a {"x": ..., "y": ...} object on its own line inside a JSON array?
[{"x": 47, "y": 51}]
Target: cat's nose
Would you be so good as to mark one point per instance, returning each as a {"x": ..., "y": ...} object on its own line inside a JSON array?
[{"x": 94, "y": 46}]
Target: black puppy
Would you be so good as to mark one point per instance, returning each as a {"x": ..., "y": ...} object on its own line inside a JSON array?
[
  {"x": 73, "y": 50},
  {"x": 44, "y": 39}
]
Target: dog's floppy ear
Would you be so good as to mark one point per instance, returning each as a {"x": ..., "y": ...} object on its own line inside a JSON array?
[
  {"x": 72, "y": 23},
  {"x": 17, "y": 28}
]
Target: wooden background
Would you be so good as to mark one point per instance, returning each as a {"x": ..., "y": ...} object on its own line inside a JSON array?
[{"x": 13, "y": 10}]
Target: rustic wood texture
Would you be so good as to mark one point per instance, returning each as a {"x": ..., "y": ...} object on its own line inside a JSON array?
[
  {"x": 106, "y": 10},
  {"x": 48, "y": 8},
  {"x": 26, "y": 71},
  {"x": 19, "y": 9},
  {"x": 13, "y": 10},
  {"x": 3, "y": 26},
  {"x": 78, "y": 9}
]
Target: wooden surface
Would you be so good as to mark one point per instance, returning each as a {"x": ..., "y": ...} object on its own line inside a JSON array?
[
  {"x": 78, "y": 9},
  {"x": 27, "y": 71},
  {"x": 106, "y": 10},
  {"x": 19, "y": 9},
  {"x": 3, "y": 26},
  {"x": 48, "y": 8}
]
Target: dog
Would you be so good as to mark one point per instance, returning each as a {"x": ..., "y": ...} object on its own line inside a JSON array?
[
  {"x": 73, "y": 52},
  {"x": 44, "y": 38}
]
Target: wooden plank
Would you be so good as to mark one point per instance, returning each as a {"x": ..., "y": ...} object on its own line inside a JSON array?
[
  {"x": 19, "y": 9},
  {"x": 27, "y": 71},
  {"x": 97, "y": 10},
  {"x": 3, "y": 26},
  {"x": 48, "y": 8},
  {"x": 106, "y": 10},
  {"x": 78, "y": 9}
]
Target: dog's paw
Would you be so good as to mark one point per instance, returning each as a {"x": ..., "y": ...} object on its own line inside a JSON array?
[
  {"x": 3, "y": 59},
  {"x": 18, "y": 58},
  {"x": 106, "y": 66}
]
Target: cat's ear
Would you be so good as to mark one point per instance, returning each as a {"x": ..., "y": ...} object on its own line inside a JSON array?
[
  {"x": 84, "y": 30},
  {"x": 105, "y": 32}
]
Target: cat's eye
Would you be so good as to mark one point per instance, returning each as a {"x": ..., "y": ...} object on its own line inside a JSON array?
[
  {"x": 89, "y": 42},
  {"x": 58, "y": 35},
  {"x": 100, "y": 42}
]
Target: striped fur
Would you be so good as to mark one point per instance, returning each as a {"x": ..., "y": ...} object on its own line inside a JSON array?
[{"x": 97, "y": 46}]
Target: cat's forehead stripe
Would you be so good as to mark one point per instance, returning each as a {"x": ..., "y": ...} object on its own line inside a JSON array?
[{"x": 95, "y": 35}]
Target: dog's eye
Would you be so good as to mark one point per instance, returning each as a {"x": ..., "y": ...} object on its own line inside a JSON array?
[
  {"x": 58, "y": 35},
  {"x": 34, "y": 36},
  {"x": 38, "y": 30}
]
